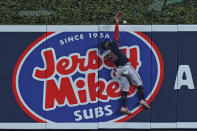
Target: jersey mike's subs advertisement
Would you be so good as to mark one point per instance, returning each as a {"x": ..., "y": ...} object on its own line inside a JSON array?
[{"x": 114, "y": 77}]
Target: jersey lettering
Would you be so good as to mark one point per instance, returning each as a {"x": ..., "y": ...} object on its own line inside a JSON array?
[{"x": 111, "y": 56}]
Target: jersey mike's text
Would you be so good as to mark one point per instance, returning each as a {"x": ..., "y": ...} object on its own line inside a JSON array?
[{"x": 59, "y": 87}]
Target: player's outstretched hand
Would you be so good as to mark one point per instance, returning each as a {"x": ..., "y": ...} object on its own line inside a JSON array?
[{"x": 119, "y": 16}]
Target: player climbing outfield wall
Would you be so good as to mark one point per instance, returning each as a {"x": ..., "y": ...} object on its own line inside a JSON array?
[{"x": 55, "y": 77}]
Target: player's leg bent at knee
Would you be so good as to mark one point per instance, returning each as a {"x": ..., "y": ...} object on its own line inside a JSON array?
[
  {"x": 135, "y": 79},
  {"x": 124, "y": 107},
  {"x": 133, "y": 76},
  {"x": 125, "y": 88},
  {"x": 141, "y": 93},
  {"x": 124, "y": 85}
]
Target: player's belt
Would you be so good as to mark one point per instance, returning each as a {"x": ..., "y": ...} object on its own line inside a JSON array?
[{"x": 123, "y": 65}]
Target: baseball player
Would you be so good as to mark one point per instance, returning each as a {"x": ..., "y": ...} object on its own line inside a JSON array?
[{"x": 125, "y": 73}]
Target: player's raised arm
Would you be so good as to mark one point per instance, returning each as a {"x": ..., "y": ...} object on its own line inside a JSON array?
[
  {"x": 116, "y": 31},
  {"x": 118, "y": 16}
]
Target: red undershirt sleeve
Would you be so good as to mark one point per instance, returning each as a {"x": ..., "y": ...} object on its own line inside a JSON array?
[{"x": 116, "y": 33}]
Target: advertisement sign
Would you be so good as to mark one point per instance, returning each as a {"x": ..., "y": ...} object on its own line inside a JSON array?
[{"x": 57, "y": 77}]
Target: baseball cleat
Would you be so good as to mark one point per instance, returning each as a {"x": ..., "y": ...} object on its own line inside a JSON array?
[
  {"x": 125, "y": 110},
  {"x": 145, "y": 104}
]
